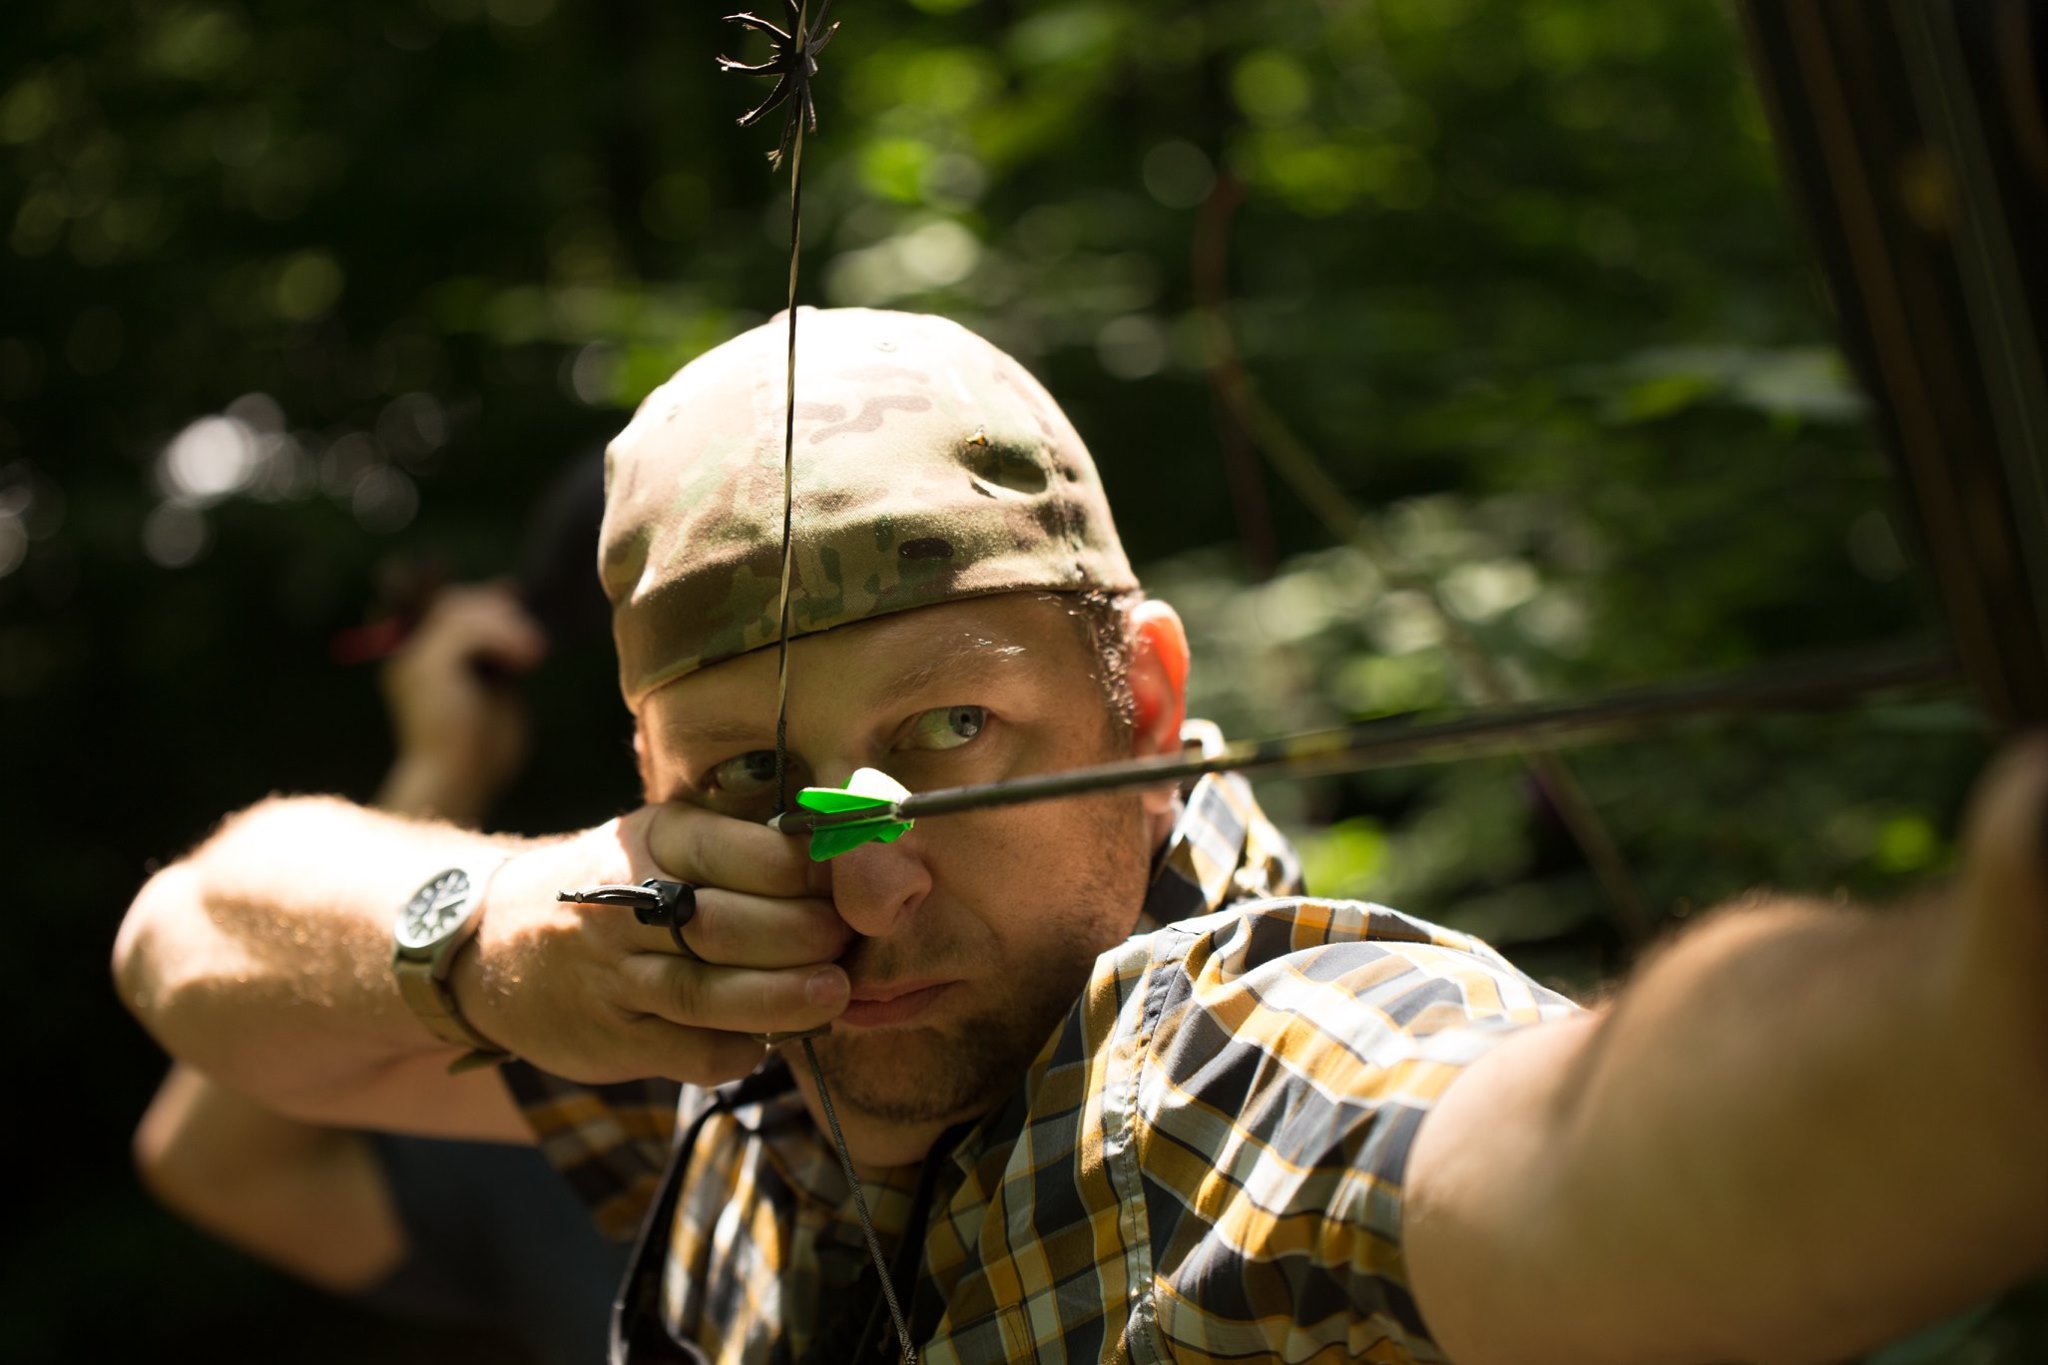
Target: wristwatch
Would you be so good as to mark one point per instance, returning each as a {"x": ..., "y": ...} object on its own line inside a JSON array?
[{"x": 431, "y": 929}]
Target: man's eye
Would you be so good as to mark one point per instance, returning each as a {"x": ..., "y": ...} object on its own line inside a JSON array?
[
  {"x": 947, "y": 727},
  {"x": 750, "y": 774}
]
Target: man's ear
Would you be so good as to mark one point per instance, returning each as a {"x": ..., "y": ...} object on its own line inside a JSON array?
[{"x": 1158, "y": 678}]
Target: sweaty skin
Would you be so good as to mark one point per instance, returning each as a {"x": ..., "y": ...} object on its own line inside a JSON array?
[
  {"x": 991, "y": 919},
  {"x": 262, "y": 956}
]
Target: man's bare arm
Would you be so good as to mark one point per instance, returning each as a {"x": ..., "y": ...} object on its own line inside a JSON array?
[
  {"x": 310, "y": 1199},
  {"x": 1802, "y": 1130},
  {"x": 264, "y": 959}
]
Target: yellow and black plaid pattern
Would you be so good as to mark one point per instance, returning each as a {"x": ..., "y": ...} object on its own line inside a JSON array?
[{"x": 1203, "y": 1164}]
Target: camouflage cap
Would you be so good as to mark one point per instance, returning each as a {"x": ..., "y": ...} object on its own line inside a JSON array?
[{"x": 929, "y": 467}]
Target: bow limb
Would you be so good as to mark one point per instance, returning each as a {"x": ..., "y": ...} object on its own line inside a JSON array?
[{"x": 1924, "y": 197}]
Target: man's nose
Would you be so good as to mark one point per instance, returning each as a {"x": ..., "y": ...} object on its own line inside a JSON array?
[{"x": 878, "y": 888}]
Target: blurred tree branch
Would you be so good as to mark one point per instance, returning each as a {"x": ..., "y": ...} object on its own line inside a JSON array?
[{"x": 1292, "y": 459}]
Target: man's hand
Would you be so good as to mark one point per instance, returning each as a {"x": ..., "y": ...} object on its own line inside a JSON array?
[
  {"x": 587, "y": 992},
  {"x": 458, "y": 722}
]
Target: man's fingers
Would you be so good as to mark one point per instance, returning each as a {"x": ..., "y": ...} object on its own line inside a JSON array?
[
  {"x": 692, "y": 1056},
  {"x": 731, "y": 999},
  {"x": 696, "y": 845},
  {"x": 735, "y": 930}
]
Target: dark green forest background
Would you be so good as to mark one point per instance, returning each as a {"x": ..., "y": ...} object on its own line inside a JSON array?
[{"x": 298, "y": 302}]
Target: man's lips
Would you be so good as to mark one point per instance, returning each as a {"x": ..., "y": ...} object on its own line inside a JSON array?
[{"x": 898, "y": 1002}]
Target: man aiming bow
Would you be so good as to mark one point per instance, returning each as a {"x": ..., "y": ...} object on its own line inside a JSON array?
[{"x": 1115, "y": 1087}]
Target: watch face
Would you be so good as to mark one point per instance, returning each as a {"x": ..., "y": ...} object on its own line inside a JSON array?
[{"x": 436, "y": 911}]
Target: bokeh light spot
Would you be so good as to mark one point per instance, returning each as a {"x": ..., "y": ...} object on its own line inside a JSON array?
[
  {"x": 13, "y": 543},
  {"x": 174, "y": 535},
  {"x": 343, "y": 464},
  {"x": 209, "y": 459},
  {"x": 1178, "y": 174},
  {"x": 894, "y": 168},
  {"x": 940, "y": 253},
  {"x": 1907, "y": 843},
  {"x": 1270, "y": 87},
  {"x": 520, "y": 13},
  {"x": 28, "y": 110},
  {"x": 307, "y": 286},
  {"x": 412, "y": 426},
  {"x": 197, "y": 42},
  {"x": 1132, "y": 347},
  {"x": 385, "y": 500},
  {"x": 954, "y": 180}
]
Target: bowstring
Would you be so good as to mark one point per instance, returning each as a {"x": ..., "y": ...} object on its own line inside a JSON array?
[
  {"x": 799, "y": 117},
  {"x": 860, "y": 1206},
  {"x": 796, "y": 235}
]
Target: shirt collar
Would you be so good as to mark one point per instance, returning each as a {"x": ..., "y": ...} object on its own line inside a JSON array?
[{"x": 1222, "y": 848}]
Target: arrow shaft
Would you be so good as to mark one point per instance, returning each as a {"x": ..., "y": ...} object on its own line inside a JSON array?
[{"x": 1400, "y": 741}]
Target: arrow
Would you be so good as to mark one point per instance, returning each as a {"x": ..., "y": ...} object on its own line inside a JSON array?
[
  {"x": 873, "y": 807},
  {"x": 864, "y": 811}
]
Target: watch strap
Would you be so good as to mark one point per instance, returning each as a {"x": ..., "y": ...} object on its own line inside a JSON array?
[
  {"x": 435, "y": 1005},
  {"x": 423, "y": 982}
]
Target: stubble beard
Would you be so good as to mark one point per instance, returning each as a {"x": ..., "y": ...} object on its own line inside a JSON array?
[
  {"x": 933, "y": 1074},
  {"x": 967, "y": 1064}
]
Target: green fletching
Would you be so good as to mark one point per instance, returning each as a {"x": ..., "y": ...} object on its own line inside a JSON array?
[
  {"x": 868, "y": 789},
  {"x": 830, "y": 843},
  {"x": 833, "y": 800}
]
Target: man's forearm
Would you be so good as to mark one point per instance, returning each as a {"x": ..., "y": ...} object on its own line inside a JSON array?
[
  {"x": 263, "y": 957},
  {"x": 307, "y": 1198},
  {"x": 1801, "y": 1131}
]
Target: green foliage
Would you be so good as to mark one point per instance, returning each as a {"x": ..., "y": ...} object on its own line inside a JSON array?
[{"x": 293, "y": 293}]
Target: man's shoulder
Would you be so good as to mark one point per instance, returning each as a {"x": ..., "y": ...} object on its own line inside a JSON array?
[
  {"x": 1295, "y": 931},
  {"x": 1250, "y": 1083},
  {"x": 1347, "y": 966}
]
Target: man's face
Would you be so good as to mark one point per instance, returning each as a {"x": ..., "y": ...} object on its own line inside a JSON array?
[{"x": 976, "y": 931}]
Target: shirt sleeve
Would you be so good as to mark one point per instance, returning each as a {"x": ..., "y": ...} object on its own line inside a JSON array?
[
  {"x": 610, "y": 1142},
  {"x": 1292, "y": 1055}
]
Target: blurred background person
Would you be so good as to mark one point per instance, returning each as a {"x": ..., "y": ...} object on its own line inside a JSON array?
[{"x": 475, "y": 1234}]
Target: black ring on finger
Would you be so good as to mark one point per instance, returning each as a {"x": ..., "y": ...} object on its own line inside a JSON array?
[
  {"x": 673, "y": 905},
  {"x": 669, "y": 904}
]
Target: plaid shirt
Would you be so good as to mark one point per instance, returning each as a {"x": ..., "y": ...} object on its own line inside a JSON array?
[{"x": 1203, "y": 1164}]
